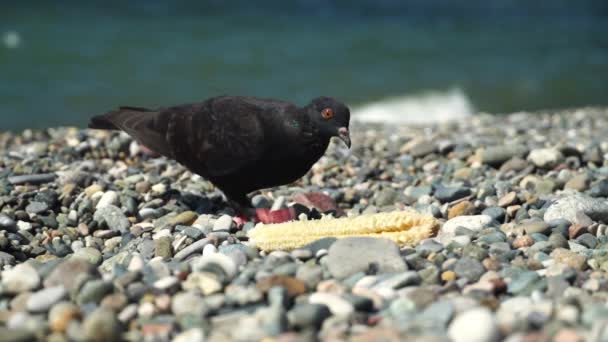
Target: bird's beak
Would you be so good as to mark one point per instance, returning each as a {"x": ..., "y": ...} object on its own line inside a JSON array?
[{"x": 344, "y": 135}]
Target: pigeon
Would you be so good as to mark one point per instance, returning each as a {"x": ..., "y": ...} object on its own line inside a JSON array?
[{"x": 239, "y": 143}]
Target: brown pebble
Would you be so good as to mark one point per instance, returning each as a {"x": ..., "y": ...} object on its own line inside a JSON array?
[
  {"x": 331, "y": 286},
  {"x": 294, "y": 286},
  {"x": 460, "y": 209},
  {"x": 523, "y": 241},
  {"x": 508, "y": 199},
  {"x": 576, "y": 230}
]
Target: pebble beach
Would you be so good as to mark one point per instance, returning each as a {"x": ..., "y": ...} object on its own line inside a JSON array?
[{"x": 101, "y": 241}]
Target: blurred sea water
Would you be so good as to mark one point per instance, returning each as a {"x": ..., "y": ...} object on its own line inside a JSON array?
[{"x": 392, "y": 61}]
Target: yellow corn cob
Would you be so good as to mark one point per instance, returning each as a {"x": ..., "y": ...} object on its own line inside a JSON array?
[{"x": 404, "y": 227}]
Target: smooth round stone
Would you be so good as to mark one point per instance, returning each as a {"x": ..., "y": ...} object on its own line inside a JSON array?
[
  {"x": 61, "y": 314},
  {"x": 166, "y": 283},
  {"x": 36, "y": 207},
  {"x": 7, "y": 223},
  {"x": 308, "y": 315},
  {"x": 448, "y": 194},
  {"x": 188, "y": 303},
  {"x": 207, "y": 283},
  {"x": 546, "y": 157},
  {"x": 587, "y": 240},
  {"x": 113, "y": 217},
  {"x": 42, "y": 300},
  {"x": 221, "y": 265},
  {"x": 535, "y": 227},
  {"x": 496, "y": 213},
  {"x": 223, "y": 223},
  {"x": 474, "y": 325},
  {"x": 163, "y": 248},
  {"x": 523, "y": 282},
  {"x": 350, "y": 255},
  {"x": 101, "y": 325},
  {"x": 440, "y": 312},
  {"x": 149, "y": 213},
  {"x": 94, "y": 291},
  {"x": 20, "y": 278},
  {"x": 108, "y": 198},
  {"x": 208, "y": 250},
  {"x": 193, "y": 233},
  {"x": 337, "y": 305},
  {"x": 599, "y": 189},
  {"x": 469, "y": 268},
  {"x": 89, "y": 254}
]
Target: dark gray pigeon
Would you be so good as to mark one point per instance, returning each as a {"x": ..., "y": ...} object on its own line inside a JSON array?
[{"x": 241, "y": 144}]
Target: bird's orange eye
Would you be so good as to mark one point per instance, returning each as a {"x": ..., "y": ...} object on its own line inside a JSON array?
[{"x": 327, "y": 113}]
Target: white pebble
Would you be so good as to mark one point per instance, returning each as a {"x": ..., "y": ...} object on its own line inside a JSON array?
[
  {"x": 475, "y": 325},
  {"x": 108, "y": 198}
]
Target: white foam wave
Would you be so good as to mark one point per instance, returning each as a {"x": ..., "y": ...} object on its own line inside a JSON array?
[{"x": 424, "y": 108}]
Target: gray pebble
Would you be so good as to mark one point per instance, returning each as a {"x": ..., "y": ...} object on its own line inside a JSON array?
[{"x": 354, "y": 254}]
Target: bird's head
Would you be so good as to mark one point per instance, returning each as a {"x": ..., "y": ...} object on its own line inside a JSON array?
[{"x": 332, "y": 118}]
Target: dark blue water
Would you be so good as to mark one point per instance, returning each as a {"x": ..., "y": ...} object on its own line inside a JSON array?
[{"x": 63, "y": 61}]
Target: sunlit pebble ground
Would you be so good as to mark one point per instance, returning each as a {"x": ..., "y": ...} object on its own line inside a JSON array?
[{"x": 509, "y": 262}]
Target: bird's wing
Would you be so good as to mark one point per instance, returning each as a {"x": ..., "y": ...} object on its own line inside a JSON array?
[
  {"x": 147, "y": 126},
  {"x": 229, "y": 135},
  {"x": 212, "y": 138}
]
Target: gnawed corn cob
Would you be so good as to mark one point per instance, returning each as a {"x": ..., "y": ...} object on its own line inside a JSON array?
[{"x": 404, "y": 227}]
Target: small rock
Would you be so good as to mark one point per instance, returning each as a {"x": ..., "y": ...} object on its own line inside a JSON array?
[
  {"x": 337, "y": 305},
  {"x": 599, "y": 189},
  {"x": 108, "y": 198},
  {"x": 163, "y": 248},
  {"x": 497, "y": 155},
  {"x": 225, "y": 222},
  {"x": 350, "y": 255},
  {"x": 469, "y": 268},
  {"x": 568, "y": 208},
  {"x": 188, "y": 303},
  {"x": 523, "y": 241},
  {"x": 89, "y": 254},
  {"x": 578, "y": 183},
  {"x": 448, "y": 194},
  {"x": 36, "y": 207},
  {"x": 569, "y": 258},
  {"x": 20, "y": 278},
  {"x": 113, "y": 217},
  {"x": 474, "y": 223},
  {"x": 221, "y": 265},
  {"x": 535, "y": 227},
  {"x": 546, "y": 157},
  {"x": 61, "y": 314},
  {"x": 101, "y": 325},
  {"x": 521, "y": 284},
  {"x": 308, "y": 315},
  {"x": 42, "y": 300},
  {"x": 185, "y": 218},
  {"x": 508, "y": 199},
  {"x": 474, "y": 325},
  {"x": 460, "y": 209}
]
